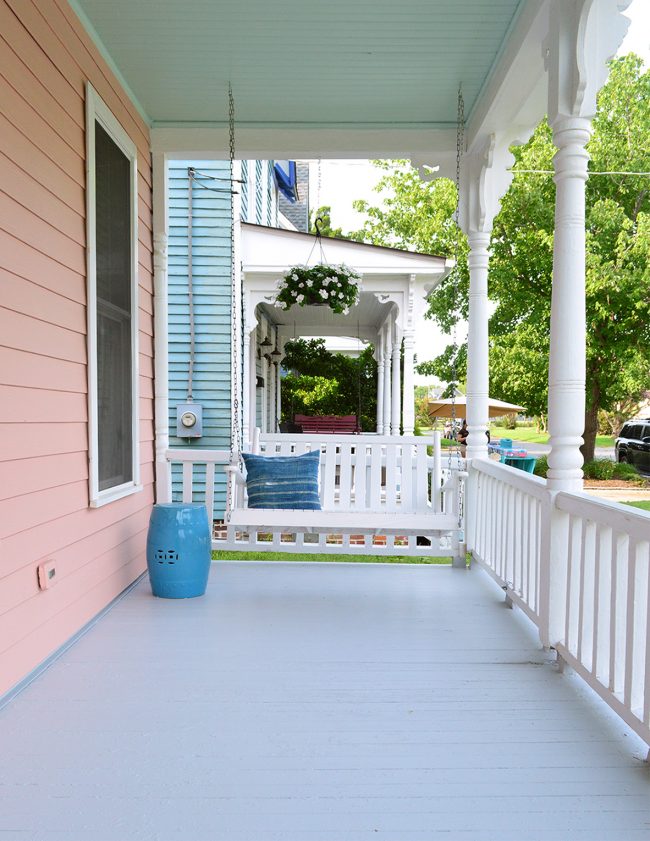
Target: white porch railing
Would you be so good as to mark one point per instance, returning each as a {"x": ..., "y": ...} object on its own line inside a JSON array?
[
  {"x": 579, "y": 567},
  {"x": 504, "y": 522}
]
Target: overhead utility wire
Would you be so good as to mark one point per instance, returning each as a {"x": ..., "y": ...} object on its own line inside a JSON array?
[{"x": 590, "y": 173}]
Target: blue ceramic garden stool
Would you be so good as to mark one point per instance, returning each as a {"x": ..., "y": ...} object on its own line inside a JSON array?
[{"x": 178, "y": 550}]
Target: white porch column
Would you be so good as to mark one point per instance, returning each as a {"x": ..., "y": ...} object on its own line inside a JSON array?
[
  {"x": 486, "y": 179},
  {"x": 379, "y": 351},
  {"x": 408, "y": 399},
  {"x": 265, "y": 394},
  {"x": 161, "y": 364},
  {"x": 251, "y": 416},
  {"x": 478, "y": 360},
  {"x": 583, "y": 35},
  {"x": 396, "y": 385},
  {"x": 567, "y": 354},
  {"x": 388, "y": 355}
]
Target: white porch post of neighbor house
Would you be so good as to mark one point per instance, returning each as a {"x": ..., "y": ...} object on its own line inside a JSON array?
[
  {"x": 583, "y": 35},
  {"x": 265, "y": 389},
  {"x": 161, "y": 365},
  {"x": 396, "y": 385},
  {"x": 486, "y": 180},
  {"x": 278, "y": 380},
  {"x": 379, "y": 355},
  {"x": 388, "y": 357},
  {"x": 408, "y": 407},
  {"x": 250, "y": 330}
]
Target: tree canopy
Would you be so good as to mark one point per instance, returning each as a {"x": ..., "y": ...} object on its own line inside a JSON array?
[{"x": 418, "y": 215}]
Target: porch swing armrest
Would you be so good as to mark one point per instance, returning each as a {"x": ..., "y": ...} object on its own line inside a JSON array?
[{"x": 235, "y": 474}]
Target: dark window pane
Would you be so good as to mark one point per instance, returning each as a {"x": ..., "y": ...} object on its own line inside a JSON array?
[
  {"x": 115, "y": 446},
  {"x": 113, "y": 221},
  {"x": 113, "y": 267}
]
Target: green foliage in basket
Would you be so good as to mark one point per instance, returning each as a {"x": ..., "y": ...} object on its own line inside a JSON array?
[{"x": 337, "y": 287}]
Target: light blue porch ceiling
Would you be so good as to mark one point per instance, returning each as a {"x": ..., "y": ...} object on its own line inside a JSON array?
[{"x": 381, "y": 63}]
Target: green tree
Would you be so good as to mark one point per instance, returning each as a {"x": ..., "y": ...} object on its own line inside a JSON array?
[
  {"x": 324, "y": 213},
  {"x": 419, "y": 215},
  {"x": 323, "y": 383},
  {"x": 617, "y": 249}
]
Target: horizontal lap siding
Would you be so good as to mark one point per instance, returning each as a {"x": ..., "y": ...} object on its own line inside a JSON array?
[
  {"x": 212, "y": 302},
  {"x": 46, "y": 58}
]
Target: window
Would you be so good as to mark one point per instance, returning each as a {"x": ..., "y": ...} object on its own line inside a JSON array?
[{"x": 111, "y": 219}]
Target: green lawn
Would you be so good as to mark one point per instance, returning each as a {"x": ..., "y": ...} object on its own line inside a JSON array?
[
  {"x": 641, "y": 503},
  {"x": 530, "y": 435},
  {"x": 220, "y": 555}
]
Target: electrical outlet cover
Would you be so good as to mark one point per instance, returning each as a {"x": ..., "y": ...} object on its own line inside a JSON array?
[{"x": 46, "y": 575}]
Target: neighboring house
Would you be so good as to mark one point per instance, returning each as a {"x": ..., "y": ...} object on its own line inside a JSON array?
[
  {"x": 76, "y": 470},
  {"x": 395, "y": 283},
  {"x": 211, "y": 292}
]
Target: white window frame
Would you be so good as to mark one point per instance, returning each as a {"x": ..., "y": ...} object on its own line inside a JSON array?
[{"x": 98, "y": 111}]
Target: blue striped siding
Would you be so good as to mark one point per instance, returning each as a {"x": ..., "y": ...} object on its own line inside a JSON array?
[
  {"x": 211, "y": 279},
  {"x": 270, "y": 184},
  {"x": 258, "y": 192},
  {"x": 244, "y": 190}
]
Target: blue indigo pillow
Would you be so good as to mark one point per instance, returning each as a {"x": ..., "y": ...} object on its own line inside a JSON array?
[{"x": 283, "y": 481}]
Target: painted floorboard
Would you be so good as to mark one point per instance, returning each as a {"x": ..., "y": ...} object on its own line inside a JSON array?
[{"x": 311, "y": 702}]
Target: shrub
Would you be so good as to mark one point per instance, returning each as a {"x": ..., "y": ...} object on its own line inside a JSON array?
[
  {"x": 541, "y": 466},
  {"x": 626, "y": 472}
]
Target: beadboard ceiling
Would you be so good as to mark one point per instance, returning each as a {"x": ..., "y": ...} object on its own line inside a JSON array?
[{"x": 374, "y": 63}]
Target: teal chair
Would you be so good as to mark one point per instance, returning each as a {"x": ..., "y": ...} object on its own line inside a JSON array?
[{"x": 526, "y": 463}]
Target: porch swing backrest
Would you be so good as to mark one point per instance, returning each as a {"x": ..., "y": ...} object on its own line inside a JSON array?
[{"x": 369, "y": 485}]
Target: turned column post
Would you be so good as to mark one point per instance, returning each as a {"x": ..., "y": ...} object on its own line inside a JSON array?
[
  {"x": 408, "y": 407},
  {"x": 380, "y": 384},
  {"x": 478, "y": 362},
  {"x": 396, "y": 387},
  {"x": 388, "y": 356},
  {"x": 567, "y": 354}
]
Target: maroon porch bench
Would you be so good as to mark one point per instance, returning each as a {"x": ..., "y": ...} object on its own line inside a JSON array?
[{"x": 328, "y": 424}]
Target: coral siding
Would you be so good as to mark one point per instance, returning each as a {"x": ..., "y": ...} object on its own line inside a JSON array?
[{"x": 45, "y": 59}]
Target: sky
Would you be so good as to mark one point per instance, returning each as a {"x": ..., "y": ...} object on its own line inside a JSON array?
[{"x": 338, "y": 183}]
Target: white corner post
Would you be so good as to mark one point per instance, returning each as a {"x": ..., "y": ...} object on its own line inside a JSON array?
[
  {"x": 486, "y": 179},
  {"x": 161, "y": 363},
  {"x": 583, "y": 35},
  {"x": 388, "y": 356},
  {"x": 396, "y": 384},
  {"x": 379, "y": 355},
  {"x": 408, "y": 399}
]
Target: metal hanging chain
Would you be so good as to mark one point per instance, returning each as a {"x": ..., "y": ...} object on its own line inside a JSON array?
[
  {"x": 235, "y": 432},
  {"x": 460, "y": 141},
  {"x": 318, "y": 242}
]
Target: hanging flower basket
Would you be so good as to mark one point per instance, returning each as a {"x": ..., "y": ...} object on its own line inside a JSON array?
[{"x": 337, "y": 287}]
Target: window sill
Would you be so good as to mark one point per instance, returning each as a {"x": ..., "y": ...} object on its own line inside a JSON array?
[{"x": 113, "y": 494}]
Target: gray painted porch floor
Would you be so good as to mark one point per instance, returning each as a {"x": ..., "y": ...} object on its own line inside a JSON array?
[{"x": 316, "y": 702}]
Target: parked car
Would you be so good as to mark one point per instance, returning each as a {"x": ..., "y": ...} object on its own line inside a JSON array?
[{"x": 633, "y": 444}]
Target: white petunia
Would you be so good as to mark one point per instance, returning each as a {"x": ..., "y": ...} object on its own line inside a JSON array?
[
  {"x": 300, "y": 299},
  {"x": 323, "y": 293}
]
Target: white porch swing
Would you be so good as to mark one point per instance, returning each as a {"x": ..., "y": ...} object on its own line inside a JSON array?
[{"x": 368, "y": 494}]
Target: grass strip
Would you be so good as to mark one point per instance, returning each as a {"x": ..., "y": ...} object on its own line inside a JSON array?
[{"x": 223, "y": 555}]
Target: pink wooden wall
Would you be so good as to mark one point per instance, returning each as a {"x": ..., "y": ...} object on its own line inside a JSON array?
[{"x": 45, "y": 59}]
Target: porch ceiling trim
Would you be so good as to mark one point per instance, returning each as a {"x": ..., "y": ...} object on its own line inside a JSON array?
[{"x": 397, "y": 69}]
